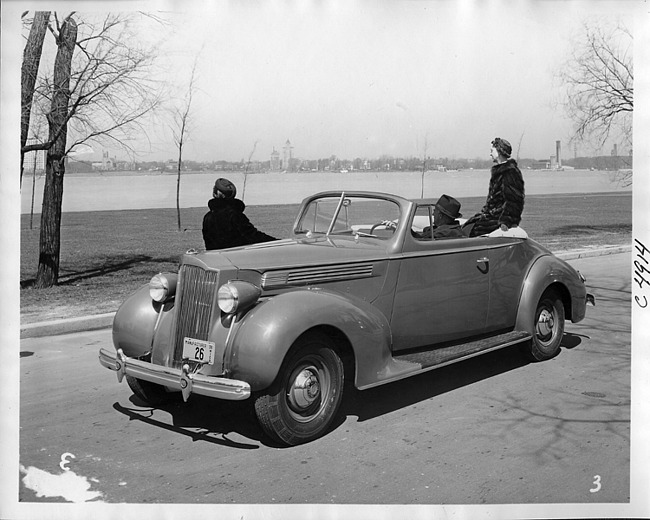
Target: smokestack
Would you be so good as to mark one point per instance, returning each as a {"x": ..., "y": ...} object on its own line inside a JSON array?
[{"x": 557, "y": 154}]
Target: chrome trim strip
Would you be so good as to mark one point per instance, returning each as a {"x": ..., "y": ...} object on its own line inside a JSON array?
[
  {"x": 310, "y": 275},
  {"x": 218, "y": 387}
]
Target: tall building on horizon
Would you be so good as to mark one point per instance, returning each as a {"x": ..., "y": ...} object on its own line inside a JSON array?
[
  {"x": 287, "y": 155},
  {"x": 275, "y": 160}
]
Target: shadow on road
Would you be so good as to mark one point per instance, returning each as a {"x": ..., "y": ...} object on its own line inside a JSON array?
[
  {"x": 210, "y": 420},
  {"x": 201, "y": 419}
]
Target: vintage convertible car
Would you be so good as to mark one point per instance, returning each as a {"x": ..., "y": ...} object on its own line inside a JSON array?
[{"x": 354, "y": 295}]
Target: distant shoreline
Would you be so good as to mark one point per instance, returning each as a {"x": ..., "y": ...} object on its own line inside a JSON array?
[{"x": 145, "y": 190}]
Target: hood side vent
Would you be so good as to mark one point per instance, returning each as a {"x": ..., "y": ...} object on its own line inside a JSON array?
[{"x": 312, "y": 275}]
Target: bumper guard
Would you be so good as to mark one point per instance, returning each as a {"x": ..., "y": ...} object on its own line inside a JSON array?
[{"x": 218, "y": 387}]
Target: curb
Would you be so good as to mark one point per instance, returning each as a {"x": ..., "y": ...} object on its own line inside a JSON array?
[
  {"x": 102, "y": 321},
  {"x": 66, "y": 326},
  {"x": 586, "y": 253}
]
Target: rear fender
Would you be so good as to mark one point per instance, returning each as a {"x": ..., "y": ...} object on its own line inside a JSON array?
[
  {"x": 267, "y": 332},
  {"x": 545, "y": 272}
]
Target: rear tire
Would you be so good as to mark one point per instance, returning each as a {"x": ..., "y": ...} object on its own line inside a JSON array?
[
  {"x": 151, "y": 393},
  {"x": 304, "y": 399},
  {"x": 548, "y": 327}
]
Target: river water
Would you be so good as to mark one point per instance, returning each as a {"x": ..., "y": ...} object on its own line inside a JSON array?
[{"x": 134, "y": 190}]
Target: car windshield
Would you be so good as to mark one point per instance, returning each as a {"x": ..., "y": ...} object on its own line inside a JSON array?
[{"x": 354, "y": 215}]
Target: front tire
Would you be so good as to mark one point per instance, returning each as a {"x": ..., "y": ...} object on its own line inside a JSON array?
[
  {"x": 151, "y": 393},
  {"x": 548, "y": 327},
  {"x": 302, "y": 402}
]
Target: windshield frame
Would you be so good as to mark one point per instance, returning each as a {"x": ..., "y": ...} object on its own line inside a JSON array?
[{"x": 402, "y": 207}]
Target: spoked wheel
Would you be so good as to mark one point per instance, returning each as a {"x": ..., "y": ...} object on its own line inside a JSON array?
[
  {"x": 303, "y": 401},
  {"x": 151, "y": 393},
  {"x": 548, "y": 326}
]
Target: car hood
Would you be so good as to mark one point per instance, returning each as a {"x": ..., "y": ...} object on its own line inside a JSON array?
[{"x": 297, "y": 252}]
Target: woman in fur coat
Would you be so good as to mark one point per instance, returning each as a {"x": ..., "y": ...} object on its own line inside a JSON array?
[
  {"x": 505, "y": 199},
  {"x": 226, "y": 225}
]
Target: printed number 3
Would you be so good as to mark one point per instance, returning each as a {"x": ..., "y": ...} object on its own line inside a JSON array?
[
  {"x": 64, "y": 461},
  {"x": 597, "y": 484}
]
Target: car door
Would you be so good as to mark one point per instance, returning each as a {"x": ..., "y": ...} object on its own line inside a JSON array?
[
  {"x": 509, "y": 263},
  {"x": 442, "y": 292}
]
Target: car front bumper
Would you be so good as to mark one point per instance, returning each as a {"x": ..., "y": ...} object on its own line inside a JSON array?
[{"x": 179, "y": 379}]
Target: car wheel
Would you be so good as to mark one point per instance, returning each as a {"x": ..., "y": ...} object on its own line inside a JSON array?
[
  {"x": 304, "y": 399},
  {"x": 548, "y": 326},
  {"x": 150, "y": 393}
]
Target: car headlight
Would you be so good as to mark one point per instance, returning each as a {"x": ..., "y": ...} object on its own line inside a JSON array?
[
  {"x": 162, "y": 287},
  {"x": 236, "y": 296}
]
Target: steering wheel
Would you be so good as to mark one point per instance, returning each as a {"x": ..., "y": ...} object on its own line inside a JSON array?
[{"x": 389, "y": 224}]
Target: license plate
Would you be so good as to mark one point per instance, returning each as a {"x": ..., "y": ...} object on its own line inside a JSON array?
[{"x": 198, "y": 350}]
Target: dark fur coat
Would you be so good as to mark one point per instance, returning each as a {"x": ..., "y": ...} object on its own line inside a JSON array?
[
  {"x": 505, "y": 200},
  {"x": 226, "y": 225}
]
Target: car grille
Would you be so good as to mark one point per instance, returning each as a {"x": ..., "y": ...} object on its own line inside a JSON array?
[{"x": 195, "y": 298}]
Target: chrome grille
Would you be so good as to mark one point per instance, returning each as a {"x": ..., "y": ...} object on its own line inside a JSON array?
[{"x": 195, "y": 297}]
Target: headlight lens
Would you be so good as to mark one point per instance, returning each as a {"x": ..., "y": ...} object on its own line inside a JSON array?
[
  {"x": 227, "y": 298},
  {"x": 162, "y": 287},
  {"x": 237, "y": 295}
]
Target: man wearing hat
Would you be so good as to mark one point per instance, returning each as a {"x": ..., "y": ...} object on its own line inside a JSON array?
[
  {"x": 445, "y": 225},
  {"x": 225, "y": 225},
  {"x": 505, "y": 201}
]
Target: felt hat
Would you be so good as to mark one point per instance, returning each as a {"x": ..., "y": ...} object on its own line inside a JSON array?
[
  {"x": 225, "y": 187},
  {"x": 449, "y": 206},
  {"x": 502, "y": 146}
]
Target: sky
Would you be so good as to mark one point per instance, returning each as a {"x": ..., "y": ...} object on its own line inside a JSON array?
[{"x": 361, "y": 78}]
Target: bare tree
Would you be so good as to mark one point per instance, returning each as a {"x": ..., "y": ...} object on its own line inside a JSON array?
[
  {"x": 250, "y": 157},
  {"x": 424, "y": 163},
  {"x": 180, "y": 131},
  {"x": 99, "y": 91},
  {"x": 29, "y": 73},
  {"x": 50, "y": 238},
  {"x": 597, "y": 81}
]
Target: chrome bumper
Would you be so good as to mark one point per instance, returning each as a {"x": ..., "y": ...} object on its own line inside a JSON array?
[{"x": 218, "y": 387}]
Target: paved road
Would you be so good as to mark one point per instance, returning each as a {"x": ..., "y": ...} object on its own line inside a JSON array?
[{"x": 492, "y": 430}]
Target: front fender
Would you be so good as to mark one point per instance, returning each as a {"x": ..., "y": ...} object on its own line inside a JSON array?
[
  {"x": 134, "y": 323},
  {"x": 546, "y": 271},
  {"x": 266, "y": 333}
]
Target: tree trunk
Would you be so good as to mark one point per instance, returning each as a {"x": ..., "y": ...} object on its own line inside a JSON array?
[
  {"x": 50, "y": 237},
  {"x": 29, "y": 72},
  {"x": 178, "y": 187}
]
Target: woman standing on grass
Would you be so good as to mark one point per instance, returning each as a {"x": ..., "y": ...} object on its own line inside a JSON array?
[
  {"x": 225, "y": 225},
  {"x": 505, "y": 199}
]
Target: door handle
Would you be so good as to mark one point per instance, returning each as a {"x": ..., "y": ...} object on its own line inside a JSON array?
[{"x": 485, "y": 260}]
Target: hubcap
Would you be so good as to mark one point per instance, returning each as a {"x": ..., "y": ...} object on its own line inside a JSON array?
[
  {"x": 305, "y": 389},
  {"x": 545, "y": 324}
]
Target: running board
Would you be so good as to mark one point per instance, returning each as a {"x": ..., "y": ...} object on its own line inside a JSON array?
[{"x": 438, "y": 357}]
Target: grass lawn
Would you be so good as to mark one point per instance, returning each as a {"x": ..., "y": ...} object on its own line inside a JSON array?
[{"x": 106, "y": 255}]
